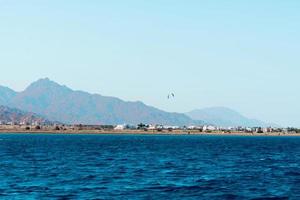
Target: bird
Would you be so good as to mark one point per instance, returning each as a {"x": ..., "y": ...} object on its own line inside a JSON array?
[{"x": 171, "y": 95}]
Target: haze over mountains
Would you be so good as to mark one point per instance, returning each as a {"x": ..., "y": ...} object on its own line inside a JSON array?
[
  {"x": 225, "y": 117},
  {"x": 6, "y": 95},
  {"x": 59, "y": 103}
]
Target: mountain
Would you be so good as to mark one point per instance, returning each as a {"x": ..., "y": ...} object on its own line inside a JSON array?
[
  {"x": 225, "y": 117},
  {"x": 17, "y": 116},
  {"x": 6, "y": 95},
  {"x": 60, "y": 103}
]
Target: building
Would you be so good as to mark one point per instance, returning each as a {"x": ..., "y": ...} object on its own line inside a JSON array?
[
  {"x": 209, "y": 128},
  {"x": 120, "y": 127}
]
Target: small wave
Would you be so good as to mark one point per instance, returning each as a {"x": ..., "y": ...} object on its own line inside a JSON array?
[{"x": 292, "y": 173}]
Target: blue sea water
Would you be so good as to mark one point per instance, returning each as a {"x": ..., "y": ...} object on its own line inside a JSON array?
[{"x": 40, "y": 166}]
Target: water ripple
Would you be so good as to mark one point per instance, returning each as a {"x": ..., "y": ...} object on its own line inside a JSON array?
[{"x": 148, "y": 167}]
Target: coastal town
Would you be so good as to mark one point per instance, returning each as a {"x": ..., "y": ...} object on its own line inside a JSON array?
[
  {"x": 17, "y": 121},
  {"x": 142, "y": 128}
]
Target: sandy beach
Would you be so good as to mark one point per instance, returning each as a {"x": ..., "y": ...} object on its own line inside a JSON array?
[{"x": 138, "y": 132}]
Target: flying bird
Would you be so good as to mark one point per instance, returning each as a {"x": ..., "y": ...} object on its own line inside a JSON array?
[{"x": 171, "y": 95}]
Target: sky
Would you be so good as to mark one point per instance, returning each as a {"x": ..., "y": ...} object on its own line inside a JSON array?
[{"x": 239, "y": 54}]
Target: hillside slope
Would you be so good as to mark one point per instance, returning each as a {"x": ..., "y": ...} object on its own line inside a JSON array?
[
  {"x": 13, "y": 115},
  {"x": 60, "y": 103},
  {"x": 226, "y": 117}
]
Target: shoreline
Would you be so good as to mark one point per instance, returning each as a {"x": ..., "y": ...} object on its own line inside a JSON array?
[{"x": 136, "y": 132}]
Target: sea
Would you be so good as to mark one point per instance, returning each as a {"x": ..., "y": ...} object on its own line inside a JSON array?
[{"x": 53, "y": 166}]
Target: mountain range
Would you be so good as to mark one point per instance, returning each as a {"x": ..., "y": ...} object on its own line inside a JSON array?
[
  {"x": 61, "y": 104},
  {"x": 13, "y": 115},
  {"x": 226, "y": 117}
]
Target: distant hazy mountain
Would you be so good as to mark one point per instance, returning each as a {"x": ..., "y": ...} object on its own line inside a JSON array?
[
  {"x": 17, "y": 116},
  {"x": 6, "y": 95},
  {"x": 60, "y": 103},
  {"x": 225, "y": 117}
]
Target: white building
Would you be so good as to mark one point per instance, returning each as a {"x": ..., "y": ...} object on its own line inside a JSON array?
[
  {"x": 120, "y": 127},
  {"x": 155, "y": 127},
  {"x": 209, "y": 128}
]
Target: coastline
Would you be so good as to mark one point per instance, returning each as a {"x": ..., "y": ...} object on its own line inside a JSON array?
[{"x": 140, "y": 132}]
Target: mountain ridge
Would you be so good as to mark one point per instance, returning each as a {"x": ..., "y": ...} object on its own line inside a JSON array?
[
  {"x": 13, "y": 115},
  {"x": 226, "y": 117},
  {"x": 60, "y": 103},
  {"x": 6, "y": 95}
]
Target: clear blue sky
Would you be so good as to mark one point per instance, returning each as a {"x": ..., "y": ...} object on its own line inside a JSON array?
[{"x": 239, "y": 54}]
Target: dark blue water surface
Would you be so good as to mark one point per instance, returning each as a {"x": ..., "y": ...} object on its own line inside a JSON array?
[{"x": 148, "y": 167}]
